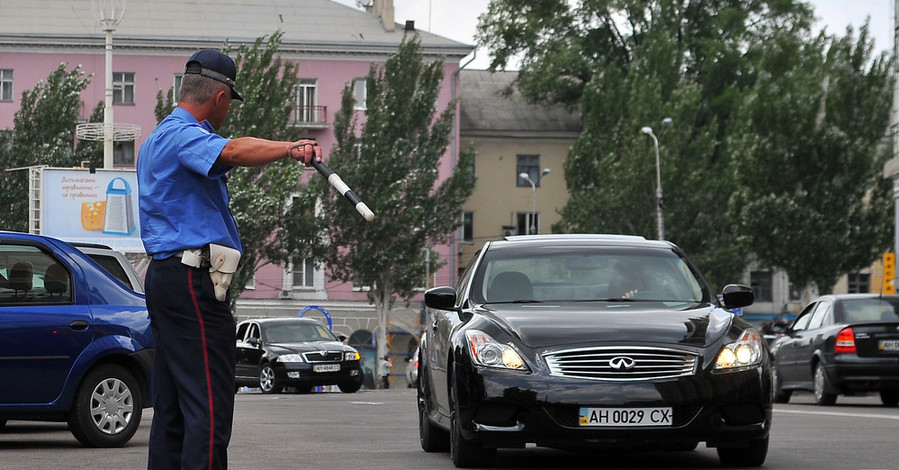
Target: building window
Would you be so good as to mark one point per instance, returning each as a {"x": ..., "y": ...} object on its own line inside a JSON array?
[
  {"x": 122, "y": 88},
  {"x": 176, "y": 87},
  {"x": 466, "y": 231},
  {"x": 123, "y": 154},
  {"x": 5, "y": 84},
  {"x": 528, "y": 223},
  {"x": 359, "y": 93},
  {"x": 859, "y": 283},
  {"x": 302, "y": 274},
  {"x": 529, "y": 164},
  {"x": 306, "y": 99},
  {"x": 761, "y": 283}
]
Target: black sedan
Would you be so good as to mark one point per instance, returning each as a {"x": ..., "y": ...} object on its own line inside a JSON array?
[
  {"x": 841, "y": 345},
  {"x": 294, "y": 352},
  {"x": 580, "y": 341}
]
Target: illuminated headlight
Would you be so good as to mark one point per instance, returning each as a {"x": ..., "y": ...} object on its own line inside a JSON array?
[
  {"x": 351, "y": 356},
  {"x": 488, "y": 352},
  {"x": 745, "y": 352},
  {"x": 291, "y": 358}
]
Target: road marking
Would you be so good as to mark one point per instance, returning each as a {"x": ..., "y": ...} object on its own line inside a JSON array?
[{"x": 834, "y": 413}]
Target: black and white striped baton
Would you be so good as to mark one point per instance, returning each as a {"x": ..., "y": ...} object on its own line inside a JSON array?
[{"x": 342, "y": 188}]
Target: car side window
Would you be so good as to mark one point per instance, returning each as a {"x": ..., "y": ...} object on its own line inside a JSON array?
[
  {"x": 819, "y": 316},
  {"x": 803, "y": 319},
  {"x": 29, "y": 276},
  {"x": 242, "y": 331},
  {"x": 254, "y": 332}
]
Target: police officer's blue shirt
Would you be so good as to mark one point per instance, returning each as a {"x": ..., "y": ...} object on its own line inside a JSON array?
[{"x": 183, "y": 194}]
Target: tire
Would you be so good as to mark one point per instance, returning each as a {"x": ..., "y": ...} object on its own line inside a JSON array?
[
  {"x": 432, "y": 437},
  {"x": 464, "y": 452},
  {"x": 268, "y": 383},
  {"x": 351, "y": 387},
  {"x": 752, "y": 456},
  {"x": 822, "y": 396},
  {"x": 889, "y": 397},
  {"x": 107, "y": 408},
  {"x": 780, "y": 395}
]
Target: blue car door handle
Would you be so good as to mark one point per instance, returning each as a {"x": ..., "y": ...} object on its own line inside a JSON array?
[{"x": 78, "y": 325}]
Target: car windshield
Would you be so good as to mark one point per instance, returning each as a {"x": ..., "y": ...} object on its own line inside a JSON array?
[
  {"x": 586, "y": 274},
  {"x": 297, "y": 333},
  {"x": 868, "y": 310}
]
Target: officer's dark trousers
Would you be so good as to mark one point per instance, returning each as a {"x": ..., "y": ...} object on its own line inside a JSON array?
[{"x": 193, "y": 371}]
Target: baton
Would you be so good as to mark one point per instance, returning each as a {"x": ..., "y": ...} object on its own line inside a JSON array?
[{"x": 342, "y": 188}]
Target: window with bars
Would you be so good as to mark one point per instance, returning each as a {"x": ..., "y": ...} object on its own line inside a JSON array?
[{"x": 5, "y": 84}]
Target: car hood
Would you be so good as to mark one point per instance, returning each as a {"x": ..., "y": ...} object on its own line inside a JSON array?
[
  {"x": 548, "y": 324},
  {"x": 307, "y": 346}
]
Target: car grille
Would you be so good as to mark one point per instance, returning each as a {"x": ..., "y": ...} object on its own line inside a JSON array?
[
  {"x": 621, "y": 363},
  {"x": 323, "y": 356}
]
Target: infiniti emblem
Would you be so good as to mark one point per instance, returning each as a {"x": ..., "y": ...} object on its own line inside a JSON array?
[{"x": 622, "y": 363}]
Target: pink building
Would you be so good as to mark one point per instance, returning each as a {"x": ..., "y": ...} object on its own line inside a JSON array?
[{"x": 333, "y": 44}]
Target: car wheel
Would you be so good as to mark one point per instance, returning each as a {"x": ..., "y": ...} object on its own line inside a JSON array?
[
  {"x": 107, "y": 407},
  {"x": 889, "y": 397},
  {"x": 780, "y": 395},
  {"x": 432, "y": 437},
  {"x": 822, "y": 397},
  {"x": 268, "y": 383},
  {"x": 464, "y": 452},
  {"x": 752, "y": 456},
  {"x": 351, "y": 387}
]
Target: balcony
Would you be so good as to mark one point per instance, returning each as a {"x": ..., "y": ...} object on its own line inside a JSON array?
[{"x": 310, "y": 117}]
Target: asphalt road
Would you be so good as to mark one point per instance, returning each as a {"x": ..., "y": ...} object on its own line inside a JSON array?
[{"x": 378, "y": 430}]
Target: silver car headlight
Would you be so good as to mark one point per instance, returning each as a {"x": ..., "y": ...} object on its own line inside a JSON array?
[
  {"x": 290, "y": 358},
  {"x": 745, "y": 352},
  {"x": 351, "y": 356},
  {"x": 489, "y": 352}
]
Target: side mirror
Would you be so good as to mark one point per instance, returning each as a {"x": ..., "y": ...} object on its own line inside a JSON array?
[
  {"x": 441, "y": 298},
  {"x": 255, "y": 342},
  {"x": 737, "y": 295}
]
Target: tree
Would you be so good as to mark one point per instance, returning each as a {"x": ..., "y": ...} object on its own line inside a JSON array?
[
  {"x": 810, "y": 196},
  {"x": 626, "y": 64},
  {"x": 394, "y": 164},
  {"x": 275, "y": 226},
  {"x": 42, "y": 135}
]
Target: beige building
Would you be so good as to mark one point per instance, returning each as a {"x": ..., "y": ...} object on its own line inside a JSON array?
[{"x": 511, "y": 137}]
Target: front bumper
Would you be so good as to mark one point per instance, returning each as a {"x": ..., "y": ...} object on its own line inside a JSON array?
[
  {"x": 301, "y": 374},
  {"x": 507, "y": 409}
]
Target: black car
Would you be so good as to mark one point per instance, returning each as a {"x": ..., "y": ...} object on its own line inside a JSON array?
[
  {"x": 294, "y": 352},
  {"x": 580, "y": 341},
  {"x": 840, "y": 345}
]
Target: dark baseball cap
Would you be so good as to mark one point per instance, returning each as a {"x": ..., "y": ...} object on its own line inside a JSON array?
[{"x": 216, "y": 65}]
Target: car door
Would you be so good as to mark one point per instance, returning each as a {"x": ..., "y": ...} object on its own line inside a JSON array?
[
  {"x": 786, "y": 355},
  {"x": 241, "y": 363},
  {"x": 806, "y": 342},
  {"x": 42, "y": 330}
]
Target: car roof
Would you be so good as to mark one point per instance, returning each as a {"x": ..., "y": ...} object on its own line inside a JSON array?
[
  {"x": 582, "y": 239},
  {"x": 856, "y": 296}
]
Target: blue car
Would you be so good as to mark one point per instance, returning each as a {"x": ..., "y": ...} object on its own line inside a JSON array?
[{"x": 75, "y": 341}]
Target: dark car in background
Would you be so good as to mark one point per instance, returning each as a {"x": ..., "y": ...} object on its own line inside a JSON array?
[
  {"x": 840, "y": 345},
  {"x": 275, "y": 353},
  {"x": 588, "y": 341},
  {"x": 75, "y": 341}
]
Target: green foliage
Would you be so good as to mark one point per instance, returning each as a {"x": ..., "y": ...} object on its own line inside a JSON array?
[
  {"x": 714, "y": 67},
  {"x": 394, "y": 165},
  {"x": 811, "y": 198},
  {"x": 42, "y": 135}
]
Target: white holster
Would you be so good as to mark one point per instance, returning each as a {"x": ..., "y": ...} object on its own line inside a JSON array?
[{"x": 222, "y": 264}]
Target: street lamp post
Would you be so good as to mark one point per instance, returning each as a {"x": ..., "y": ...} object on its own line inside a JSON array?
[
  {"x": 661, "y": 220},
  {"x": 109, "y": 14},
  {"x": 526, "y": 177}
]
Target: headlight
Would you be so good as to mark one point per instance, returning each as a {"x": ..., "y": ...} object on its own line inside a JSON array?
[
  {"x": 745, "y": 352},
  {"x": 351, "y": 356},
  {"x": 290, "y": 358},
  {"x": 488, "y": 352}
]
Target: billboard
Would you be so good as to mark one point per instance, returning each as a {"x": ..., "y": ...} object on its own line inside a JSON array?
[{"x": 100, "y": 206}]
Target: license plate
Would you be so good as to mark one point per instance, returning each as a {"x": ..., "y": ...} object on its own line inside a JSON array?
[
  {"x": 625, "y": 416},
  {"x": 326, "y": 367},
  {"x": 891, "y": 345}
]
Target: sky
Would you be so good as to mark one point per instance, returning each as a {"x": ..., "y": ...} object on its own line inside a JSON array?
[{"x": 457, "y": 19}]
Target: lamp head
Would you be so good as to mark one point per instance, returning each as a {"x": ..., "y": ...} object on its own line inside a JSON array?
[{"x": 646, "y": 130}]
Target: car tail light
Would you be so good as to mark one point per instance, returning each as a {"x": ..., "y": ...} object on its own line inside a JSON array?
[{"x": 845, "y": 341}]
